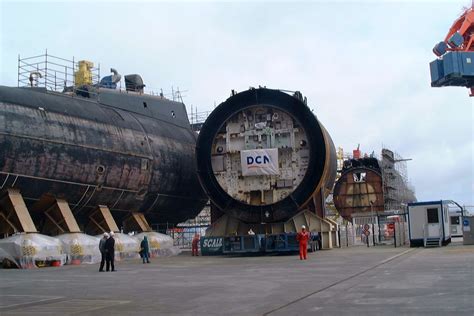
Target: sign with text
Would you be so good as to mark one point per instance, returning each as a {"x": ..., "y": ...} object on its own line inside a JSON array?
[
  {"x": 211, "y": 246},
  {"x": 256, "y": 162}
]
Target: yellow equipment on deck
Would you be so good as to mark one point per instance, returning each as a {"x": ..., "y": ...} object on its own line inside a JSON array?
[{"x": 84, "y": 75}]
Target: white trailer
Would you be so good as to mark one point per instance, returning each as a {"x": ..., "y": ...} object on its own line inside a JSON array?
[
  {"x": 455, "y": 223},
  {"x": 428, "y": 224}
]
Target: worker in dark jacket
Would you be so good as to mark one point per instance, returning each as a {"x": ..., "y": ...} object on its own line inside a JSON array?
[
  {"x": 145, "y": 250},
  {"x": 102, "y": 251},
  {"x": 302, "y": 238},
  {"x": 110, "y": 252},
  {"x": 315, "y": 242},
  {"x": 194, "y": 245}
]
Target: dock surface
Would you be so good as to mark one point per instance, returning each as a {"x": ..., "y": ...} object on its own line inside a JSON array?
[{"x": 351, "y": 281}]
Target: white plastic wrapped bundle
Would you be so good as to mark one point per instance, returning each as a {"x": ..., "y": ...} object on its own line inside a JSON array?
[
  {"x": 160, "y": 244},
  {"x": 6, "y": 260},
  {"x": 80, "y": 248},
  {"x": 34, "y": 250},
  {"x": 126, "y": 247}
]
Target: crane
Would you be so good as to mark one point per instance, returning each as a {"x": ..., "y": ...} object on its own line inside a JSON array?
[{"x": 455, "y": 63}]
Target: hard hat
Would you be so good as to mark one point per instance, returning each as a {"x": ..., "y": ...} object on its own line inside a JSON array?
[
  {"x": 106, "y": 235},
  {"x": 111, "y": 234},
  {"x": 303, "y": 227}
]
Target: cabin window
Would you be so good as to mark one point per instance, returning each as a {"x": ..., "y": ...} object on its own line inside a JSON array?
[
  {"x": 455, "y": 220},
  {"x": 432, "y": 214}
]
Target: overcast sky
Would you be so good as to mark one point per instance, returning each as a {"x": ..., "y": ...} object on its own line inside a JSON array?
[{"x": 364, "y": 66}]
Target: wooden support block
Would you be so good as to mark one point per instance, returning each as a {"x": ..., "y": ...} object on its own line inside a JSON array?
[
  {"x": 59, "y": 219},
  {"x": 143, "y": 222},
  {"x": 69, "y": 219},
  {"x": 109, "y": 220},
  {"x": 136, "y": 221},
  {"x": 101, "y": 221},
  {"x": 14, "y": 214},
  {"x": 7, "y": 227}
]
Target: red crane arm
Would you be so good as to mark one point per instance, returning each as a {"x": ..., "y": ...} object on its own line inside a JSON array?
[{"x": 464, "y": 25}]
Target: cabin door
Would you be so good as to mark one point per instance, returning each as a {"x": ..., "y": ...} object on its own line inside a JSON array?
[{"x": 432, "y": 215}]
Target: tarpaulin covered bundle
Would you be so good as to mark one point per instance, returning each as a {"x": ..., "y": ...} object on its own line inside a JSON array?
[
  {"x": 34, "y": 250},
  {"x": 7, "y": 261},
  {"x": 126, "y": 247},
  {"x": 160, "y": 244},
  {"x": 80, "y": 248}
]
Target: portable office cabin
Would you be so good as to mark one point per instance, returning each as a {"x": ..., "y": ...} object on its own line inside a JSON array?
[
  {"x": 428, "y": 224},
  {"x": 455, "y": 223},
  {"x": 468, "y": 230}
]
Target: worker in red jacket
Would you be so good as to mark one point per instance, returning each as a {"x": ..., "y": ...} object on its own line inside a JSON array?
[
  {"x": 195, "y": 243},
  {"x": 302, "y": 238}
]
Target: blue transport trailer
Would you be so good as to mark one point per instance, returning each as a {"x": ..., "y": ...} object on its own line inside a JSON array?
[{"x": 251, "y": 244}]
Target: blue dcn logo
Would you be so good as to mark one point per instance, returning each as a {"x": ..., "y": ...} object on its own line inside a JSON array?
[{"x": 259, "y": 160}]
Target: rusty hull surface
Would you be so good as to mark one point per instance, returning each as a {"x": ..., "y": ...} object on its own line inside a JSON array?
[
  {"x": 356, "y": 189},
  {"x": 129, "y": 151}
]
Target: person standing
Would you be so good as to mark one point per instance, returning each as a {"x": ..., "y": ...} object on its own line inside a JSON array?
[
  {"x": 312, "y": 242},
  {"x": 302, "y": 238},
  {"x": 110, "y": 252},
  {"x": 145, "y": 250},
  {"x": 320, "y": 242},
  {"x": 102, "y": 251},
  {"x": 195, "y": 243}
]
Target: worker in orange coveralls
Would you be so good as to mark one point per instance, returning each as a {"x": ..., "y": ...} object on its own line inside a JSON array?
[
  {"x": 195, "y": 245},
  {"x": 302, "y": 238}
]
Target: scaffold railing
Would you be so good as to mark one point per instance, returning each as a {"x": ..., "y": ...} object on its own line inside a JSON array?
[
  {"x": 198, "y": 117},
  {"x": 52, "y": 73},
  {"x": 57, "y": 74}
]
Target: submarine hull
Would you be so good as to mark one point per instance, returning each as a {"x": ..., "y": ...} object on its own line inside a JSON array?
[
  {"x": 129, "y": 151},
  {"x": 263, "y": 156}
]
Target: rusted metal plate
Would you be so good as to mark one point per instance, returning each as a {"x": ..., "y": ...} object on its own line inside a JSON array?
[{"x": 358, "y": 189}]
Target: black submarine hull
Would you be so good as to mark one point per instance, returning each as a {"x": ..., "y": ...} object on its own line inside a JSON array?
[{"x": 126, "y": 150}]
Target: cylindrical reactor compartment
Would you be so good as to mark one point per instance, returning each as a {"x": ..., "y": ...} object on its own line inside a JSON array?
[
  {"x": 359, "y": 190},
  {"x": 262, "y": 156}
]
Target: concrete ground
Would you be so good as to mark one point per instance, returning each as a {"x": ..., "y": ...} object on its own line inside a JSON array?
[{"x": 353, "y": 281}]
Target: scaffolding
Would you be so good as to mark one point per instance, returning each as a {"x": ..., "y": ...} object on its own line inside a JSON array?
[
  {"x": 183, "y": 233},
  {"x": 55, "y": 74},
  {"x": 397, "y": 191},
  {"x": 197, "y": 119},
  {"x": 72, "y": 77}
]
